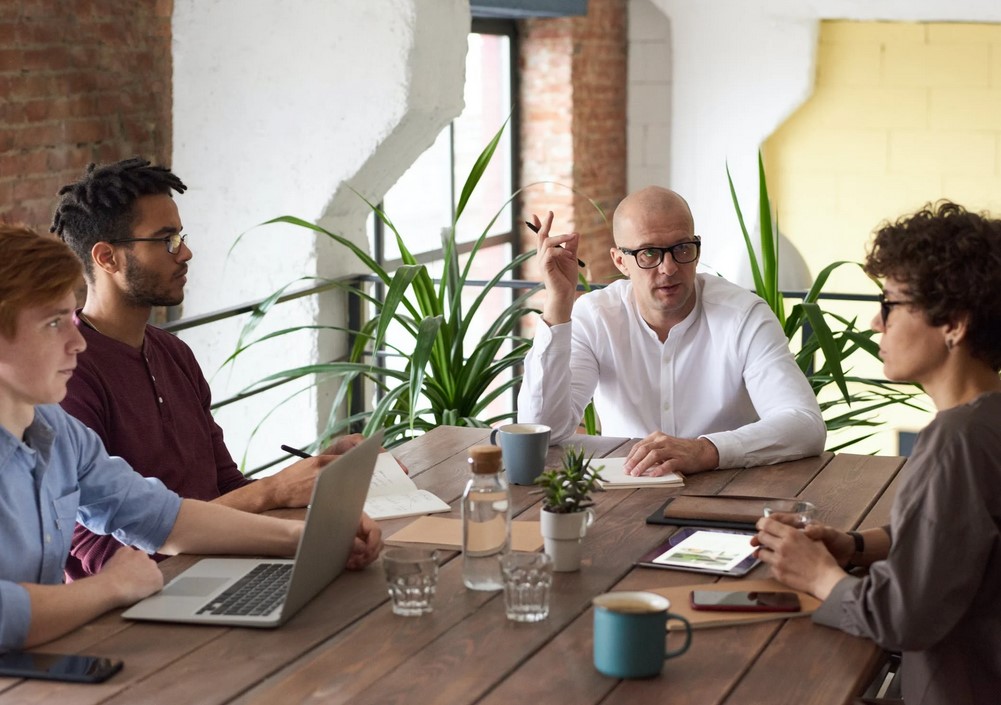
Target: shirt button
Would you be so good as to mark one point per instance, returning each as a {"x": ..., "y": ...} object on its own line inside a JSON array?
[
  {"x": 667, "y": 406},
  {"x": 160, "y": 399},
  {"x": 48, "y": 538}
]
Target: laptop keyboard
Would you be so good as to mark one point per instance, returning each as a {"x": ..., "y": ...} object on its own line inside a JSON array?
[{"x": 255, "y": 594}]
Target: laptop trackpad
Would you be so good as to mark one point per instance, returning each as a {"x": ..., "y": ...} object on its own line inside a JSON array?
[{"x": 194, "y": 587}]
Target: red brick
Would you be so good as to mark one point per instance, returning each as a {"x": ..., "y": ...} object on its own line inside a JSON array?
[
  {"x": 26, "y": 189},
  {"x": 88, "y": 130},
  {"x": 50, "y": 135},
  {"x": 11, "y": 59}
]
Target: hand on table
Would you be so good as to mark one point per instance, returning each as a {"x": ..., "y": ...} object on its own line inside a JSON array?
[
  {"x": 659, "y": 454},
  {"x": 293, "y": 486},
  {"x": 796, "y": 559},
  {"x": 132, "y": 574},
  {"x": 342, "y": 445},
  {"x": 367, "y": 545}
]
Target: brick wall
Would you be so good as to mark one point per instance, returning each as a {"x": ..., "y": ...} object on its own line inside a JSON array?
[
  {"x": 573, "y": 100},
  {"x": 80, "y": 81}
]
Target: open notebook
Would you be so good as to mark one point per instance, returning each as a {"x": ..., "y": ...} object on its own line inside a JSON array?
[
  {"x": 253, "y": 592},
  {"x": 614, "y": 477}
]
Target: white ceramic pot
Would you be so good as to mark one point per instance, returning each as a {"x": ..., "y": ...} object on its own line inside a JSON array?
[{"x": 562, "y": 535}]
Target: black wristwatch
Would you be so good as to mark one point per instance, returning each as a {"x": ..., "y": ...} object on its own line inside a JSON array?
[{"x": 859, "y": 549}]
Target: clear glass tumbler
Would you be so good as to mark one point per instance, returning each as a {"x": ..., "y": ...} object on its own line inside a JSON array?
[
  {"x": 411, "y": 578},
  {"x": 528, "y": 578},
  {"x": 802, "y": 512}
]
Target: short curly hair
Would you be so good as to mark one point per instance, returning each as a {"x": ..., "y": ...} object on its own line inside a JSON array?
[
  {"x": 101, "y": 205},
  {"x": 950, "y": 261}
]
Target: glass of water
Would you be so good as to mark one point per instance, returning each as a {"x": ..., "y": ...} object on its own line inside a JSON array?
[
  {"x": 411, "y": 578},
  {"x": 799, "y": 512},
  {"x": 528, "y": 578}
]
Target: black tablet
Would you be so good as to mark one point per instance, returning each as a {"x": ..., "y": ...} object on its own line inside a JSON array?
[{"x": 717, "y": 551}]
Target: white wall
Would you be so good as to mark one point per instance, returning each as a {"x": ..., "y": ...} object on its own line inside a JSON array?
[
  {"x": 648, "y": 112},
  {"x": 738, "y": 69},
  {"x": 278, "y": 108}
]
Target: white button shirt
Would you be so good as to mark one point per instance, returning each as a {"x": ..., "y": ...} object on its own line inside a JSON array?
[{"x": 724, "y": 373}]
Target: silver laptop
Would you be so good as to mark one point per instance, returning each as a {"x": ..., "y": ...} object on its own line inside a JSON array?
[{"x": 256, "y": 592}]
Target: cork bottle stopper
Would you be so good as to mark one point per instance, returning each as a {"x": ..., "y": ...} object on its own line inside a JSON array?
[{"x": 485, "y": 460}]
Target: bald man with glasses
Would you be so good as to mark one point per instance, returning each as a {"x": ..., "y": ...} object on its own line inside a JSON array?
[{"x": 697, "y": 367}]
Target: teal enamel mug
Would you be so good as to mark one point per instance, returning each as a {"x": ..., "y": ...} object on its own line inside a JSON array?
[
  {"x": 630, "y": 634},
  {"x": 524, "y": 447}
]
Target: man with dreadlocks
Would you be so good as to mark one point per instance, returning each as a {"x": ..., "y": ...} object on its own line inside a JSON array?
[{"x": 141, "y": 388}]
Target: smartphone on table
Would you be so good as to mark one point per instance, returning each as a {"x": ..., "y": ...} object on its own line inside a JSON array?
[
  {"x": 57, "y": 667},
  {"x": 743, "y": 601}
]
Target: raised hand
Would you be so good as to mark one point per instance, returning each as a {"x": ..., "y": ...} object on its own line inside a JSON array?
[{"x": 558, "y": 262}]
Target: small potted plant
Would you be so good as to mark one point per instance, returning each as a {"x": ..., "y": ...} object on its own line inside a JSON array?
[{"x": 566, "y": 512}]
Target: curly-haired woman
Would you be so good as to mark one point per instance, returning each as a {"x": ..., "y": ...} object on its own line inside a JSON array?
[{"x": 933, "y": 589}]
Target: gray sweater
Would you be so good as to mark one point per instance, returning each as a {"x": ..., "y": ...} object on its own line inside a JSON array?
[{"x": 937, "y": 596}]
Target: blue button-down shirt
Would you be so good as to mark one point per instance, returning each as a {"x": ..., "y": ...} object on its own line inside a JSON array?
[{"x": 58, "y": 475}]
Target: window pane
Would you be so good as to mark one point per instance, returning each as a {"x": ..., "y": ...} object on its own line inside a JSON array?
[
  {"x": 419, "y": 203},
  {"x": 488, "y": 104}
]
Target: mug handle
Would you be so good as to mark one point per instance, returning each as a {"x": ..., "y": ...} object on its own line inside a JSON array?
[
  {"x": 688, "y": 636},
  {"x": 584, "y": 525},
  {"x": 493, "y": 437}
]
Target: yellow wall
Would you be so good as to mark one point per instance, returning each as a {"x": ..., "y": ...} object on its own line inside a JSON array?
[{"x": 902, "y": 114}]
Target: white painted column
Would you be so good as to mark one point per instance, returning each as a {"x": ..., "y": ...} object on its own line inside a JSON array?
[{"x": 279, "y": 107}]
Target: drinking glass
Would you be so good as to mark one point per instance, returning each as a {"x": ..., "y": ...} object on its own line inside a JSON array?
[
  {"x": 804, "y": 512},
  {"x": 528, "y": 578},
  {"x": 411, "y": 578}
]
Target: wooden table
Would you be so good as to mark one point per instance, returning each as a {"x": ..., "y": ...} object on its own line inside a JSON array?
[{"x": 347, "y": 646}]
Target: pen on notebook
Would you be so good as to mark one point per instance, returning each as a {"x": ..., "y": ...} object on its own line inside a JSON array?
[
  {"x": 535, "y": 228},
  {"x": 295, "y": 451}
]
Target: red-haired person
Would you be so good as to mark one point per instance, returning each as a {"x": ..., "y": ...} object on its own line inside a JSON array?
[{"x": 54, "y": 471}]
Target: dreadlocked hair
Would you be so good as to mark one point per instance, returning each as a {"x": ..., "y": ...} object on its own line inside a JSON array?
[{"x": 101, "y": 205}]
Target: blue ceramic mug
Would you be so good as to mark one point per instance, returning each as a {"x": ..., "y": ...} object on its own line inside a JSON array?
[
  {"x": 630, "y": 634},
  {"x": 524, "y": 447}
]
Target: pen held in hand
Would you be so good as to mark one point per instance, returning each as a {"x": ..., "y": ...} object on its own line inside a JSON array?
[
  {"x": 535, "y": 228},
  {"x": 295, "y": 451}
]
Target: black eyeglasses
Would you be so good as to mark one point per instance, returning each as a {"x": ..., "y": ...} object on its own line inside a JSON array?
[
  {"x": 173, "y": 242},
  {"x": 650, "y": 257},
  {"x": 886, "y": 306}
]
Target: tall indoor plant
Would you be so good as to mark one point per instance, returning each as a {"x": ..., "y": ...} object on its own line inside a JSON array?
[
  {"x": 825, "y": 339},
  {"x": 450, "y": 376}
]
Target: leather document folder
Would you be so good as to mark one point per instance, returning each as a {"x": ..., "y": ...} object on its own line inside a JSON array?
[{"x": 718, "y": 511}]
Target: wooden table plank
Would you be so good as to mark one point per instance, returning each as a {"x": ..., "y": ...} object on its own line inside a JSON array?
[
  {"x": 347, "y": 646},
  {"x": 145, "y": 651},
  {"x": 849, "y": 486},
  {"x": 240, "y": 658},
  {"x": 809, "y": 674},
  {"x": 353, "y": 661},
  {"x": 780, "y": 480},
  {"x": 480, "y": 650},
  {"x": 437, "y": 445}
]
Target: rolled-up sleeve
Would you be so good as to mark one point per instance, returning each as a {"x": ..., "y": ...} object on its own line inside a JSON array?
[
  {"x": 114, "y": 499},
  {"x": 15, "y": 615}
]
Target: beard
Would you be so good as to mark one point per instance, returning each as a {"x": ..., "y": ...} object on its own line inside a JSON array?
[{"x": 145, "y": 288}]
